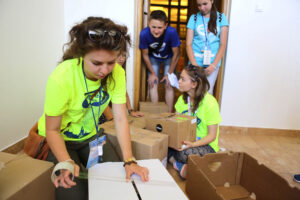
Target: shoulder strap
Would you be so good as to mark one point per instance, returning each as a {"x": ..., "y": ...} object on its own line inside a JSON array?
[{"x": 220, "y": 17}]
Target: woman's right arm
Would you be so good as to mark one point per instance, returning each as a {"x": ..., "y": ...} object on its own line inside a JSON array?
[
  {"x": 189, "y": 48},
  {"x": 58, "y": 147}
]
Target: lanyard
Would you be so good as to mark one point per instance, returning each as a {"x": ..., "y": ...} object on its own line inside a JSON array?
[
  {"x": 96, "y": 124},
  {"x": 205, "y": 31},
  {"x": 189, "y": 108}
]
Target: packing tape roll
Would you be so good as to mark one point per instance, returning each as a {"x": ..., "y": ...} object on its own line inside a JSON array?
[{"x": 62, "y": 165}]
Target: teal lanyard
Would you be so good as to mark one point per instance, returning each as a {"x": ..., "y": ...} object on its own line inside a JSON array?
[{"x": 100, "y": 91}]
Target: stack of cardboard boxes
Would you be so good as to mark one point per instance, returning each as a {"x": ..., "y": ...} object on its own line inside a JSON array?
[{"x": 152, "y": 134}]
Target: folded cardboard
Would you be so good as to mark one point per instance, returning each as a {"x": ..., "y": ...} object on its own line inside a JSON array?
[
  {"x": 178, "y": 127},
  {"x": 149, "y": 107},
  {"x": 145, "y": 144},
  {"x": 235, "y": 176},
  {"x": 23, "y": 177},
  {"x": 107, "y": 181}
]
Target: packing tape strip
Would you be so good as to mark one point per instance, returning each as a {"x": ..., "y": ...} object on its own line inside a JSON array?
[{"x": 62, "y": 165}]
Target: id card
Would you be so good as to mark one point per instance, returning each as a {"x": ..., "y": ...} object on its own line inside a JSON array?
[
  {"x": 207, "y": 57},
  {"x": 96, "y": 151}
]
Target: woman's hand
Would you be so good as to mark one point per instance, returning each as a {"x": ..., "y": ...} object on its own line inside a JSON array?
[
  {"x": 210, "y": 69},
  {"x": 65, "y": 178},
  {"x": 136, "y": 114},
  {"x": 133, "y": 168},
  {"x": 187, "y": 144}
]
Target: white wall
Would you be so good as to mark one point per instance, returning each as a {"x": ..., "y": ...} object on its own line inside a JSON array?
[
  {"x": 262, "y": 74},
  {"x": 31, "y": 42},
  {"x": 121, "y": 12}
]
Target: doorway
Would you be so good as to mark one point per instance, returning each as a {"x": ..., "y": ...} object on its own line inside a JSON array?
[{"x": 178, "y": 13}]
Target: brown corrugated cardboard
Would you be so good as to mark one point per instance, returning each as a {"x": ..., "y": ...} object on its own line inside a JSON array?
[
  {"x": 150, "y": 107},
  {"x": 234, "y": 176},
  {"x": 178, "y": 127},
  {"x": 145, "y": 144},
  {"x": 25, "y": 178},
  {"x": 139, "y": 122}
]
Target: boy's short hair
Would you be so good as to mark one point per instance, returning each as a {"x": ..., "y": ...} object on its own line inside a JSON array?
[{"x": 159, "y": 15}]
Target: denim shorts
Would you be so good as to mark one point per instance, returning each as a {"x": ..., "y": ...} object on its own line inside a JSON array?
[{"x": 156, "y": 65}]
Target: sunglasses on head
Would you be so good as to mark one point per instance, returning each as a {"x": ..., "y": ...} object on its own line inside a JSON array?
[
  {"x": 97, "y": 34},
  {"x": 193, "y": 68}
]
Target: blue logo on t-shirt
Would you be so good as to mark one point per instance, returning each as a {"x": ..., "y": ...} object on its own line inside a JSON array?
[{"x": 90, "y": 114}]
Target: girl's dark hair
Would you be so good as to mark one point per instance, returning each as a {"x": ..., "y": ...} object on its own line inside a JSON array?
[
  {"x": 197, "y": 74},
  {"x": 81, "y": 42},
  {"x": 212, "y": 23}
]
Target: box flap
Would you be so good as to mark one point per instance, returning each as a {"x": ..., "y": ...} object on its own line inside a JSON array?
[
  {"x": 232, "y": 192},
  {"x": 265, "y": 183},
  {"x": 219, "y": 167}
]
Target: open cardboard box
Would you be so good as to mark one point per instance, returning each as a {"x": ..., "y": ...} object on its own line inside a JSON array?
[
  {"x": 23, "y": 177},
  {"x": 235, "y": 176},
  {"x": 178, "y": 127}
]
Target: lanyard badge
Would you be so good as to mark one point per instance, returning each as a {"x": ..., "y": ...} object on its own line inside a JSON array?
[
  {"x": 207, "y": 51},
  {"x": 96, "y": 146}
]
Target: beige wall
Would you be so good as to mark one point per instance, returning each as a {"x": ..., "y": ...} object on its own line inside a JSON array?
[{"x": 31, "y": 38}]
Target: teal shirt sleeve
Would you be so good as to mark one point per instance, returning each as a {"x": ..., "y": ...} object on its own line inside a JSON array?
[{"x": 224, "y": 21}]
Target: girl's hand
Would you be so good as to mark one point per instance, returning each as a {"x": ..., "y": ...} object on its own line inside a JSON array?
[
  {"x": 210, "y": 69},
  {"x": 133, "y": 168},
  {"x": 187, "y": 144},
  {"x": 65, "y": 178},
  {"x": 136, "y": 114}
]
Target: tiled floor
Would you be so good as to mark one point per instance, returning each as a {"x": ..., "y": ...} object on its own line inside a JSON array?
[{"x": 278, "y": 152}]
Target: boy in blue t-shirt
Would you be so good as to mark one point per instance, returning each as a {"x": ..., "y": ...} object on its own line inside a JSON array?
[{"x": 160, "y": 43}]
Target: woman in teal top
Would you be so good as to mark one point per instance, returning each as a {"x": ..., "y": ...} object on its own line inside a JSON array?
[
  {"x": 207, "y": 38},
  {"x": 196, "y": 101},
  {"x": 77, "y": 93}
]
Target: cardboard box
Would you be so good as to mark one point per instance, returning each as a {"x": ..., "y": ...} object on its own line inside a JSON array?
[
  {"x": 150, "y": 107},
  {"x": 177, "y": 127},
  {"x": 235, "y": 176},
  {"x": 23, "y": 177},
  {"x": 145, "y": 144},
  {"x": 139, "y": 122},
  {"x": 107, "y": 181}
]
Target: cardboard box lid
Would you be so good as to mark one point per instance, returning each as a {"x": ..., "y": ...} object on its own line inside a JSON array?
[
  {"x": 110, "y": 177},
  {"x": 143, "y": 136},
  {"x": 19, "y": 171}
]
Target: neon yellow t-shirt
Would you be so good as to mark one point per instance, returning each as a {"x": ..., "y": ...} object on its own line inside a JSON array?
[
  {"x": 66, "y": 95},
  {"x": 207, "y": 114}
]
